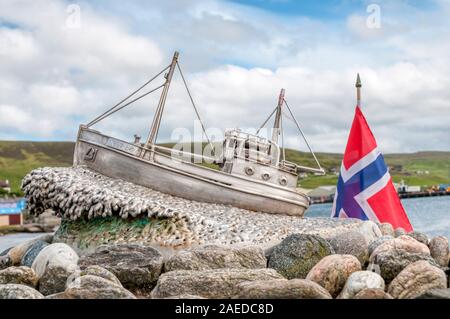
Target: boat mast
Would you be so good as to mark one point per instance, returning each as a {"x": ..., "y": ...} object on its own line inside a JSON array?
[
  {"x": 358, "y": 86},
  {"x": 162, "y": 101},
  {"x": 277, "y": 123}
]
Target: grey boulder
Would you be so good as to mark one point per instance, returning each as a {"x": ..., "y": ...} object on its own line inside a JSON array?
[
  {"x": 94, "y": 287},
  {"x": 101, "y": 272},
  {"x": 281, "y": 289},
  {"x": 394, "y": 255},
  {"x": 420, "y": 237},
  {"x": 435, "y": 294},
  {"x": 439, "y": 250},
  {"x": 15, "y": 291},
  {"x": 215, "y": 257},
  {"x": 136, "y": 266},
  {"x": 361, "y": 280},
  {"x": 5, "y": 262},
  {"x": 53, "y": 266},
  {"x": 351, "y": 243},
  {"x": 378, "y": 242},
  {"x": 32, "y": 252},
  {"x": 19, "y": 275},
  {"x": 297, "y": 254},
  {"x": 416, "y": 279},
  {"x": 213, "y": 283}
]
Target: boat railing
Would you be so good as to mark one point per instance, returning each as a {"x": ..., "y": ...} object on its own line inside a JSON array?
[{"x": 182, "y": 154}]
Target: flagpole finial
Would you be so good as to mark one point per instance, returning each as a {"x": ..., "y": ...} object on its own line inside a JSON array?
[
  {"x": 358, "y": 86},
  {"x": 358, "y": 81}
]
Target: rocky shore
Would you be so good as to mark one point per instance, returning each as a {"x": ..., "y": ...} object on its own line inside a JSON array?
[
  {"x": 302, "y": 266},
  {"x": 144, "y": 244}
]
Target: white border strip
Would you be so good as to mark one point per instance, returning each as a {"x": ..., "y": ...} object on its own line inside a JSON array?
[
  {"x": 359, "y": 165},
  {"x": 362, "y": 197}
]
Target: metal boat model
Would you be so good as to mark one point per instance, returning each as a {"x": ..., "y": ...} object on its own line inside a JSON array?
[{"x": 252, "y": 171}]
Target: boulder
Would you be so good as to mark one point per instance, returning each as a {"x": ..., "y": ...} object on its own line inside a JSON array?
[
  {"x": 94, "y": 287},
  {"x": 390, "y": 264},
  {"x": 333, "y": 271},
  {"x": 370, "y": 231},
  {"x": 387, "y": 229},
  {"x": 372, "y": 293},
  {"x": 399, "y": 232},
  {"x": 295, "y": 256},
  {"x": 6, "y": 251},
  {"x": 32, "y": 252},
  {"x": 361, "y": 280},
  {"x": 405, "y": 243},
  {"x": 100, "y": 272},
  {"x": 19, "y": 275},
  {"x": 91, "y": 282},
  {"x": 394, "y": 255},
  {"x": 136, "y": 266},
  {"x": 16, "y": 253},
  {"x": 416, "y": 279},
  {"x": 378, "y": 242},
  {"x": 5, "y": 262},
  {"x": 281, "y": 289},
  {"x": 214, "y": 257},
  {"x": 439, "y": 250},
  {"x": 435, "y": 294},
  {"x": 212, "y": 283},
  {"x": 420, "y": 237},
  {"x": 351, "y": 243},
  {"x": 53, "y": 266},
  {"x": 15, "y": 291}
]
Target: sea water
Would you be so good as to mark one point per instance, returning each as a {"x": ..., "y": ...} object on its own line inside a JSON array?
[{"x": 430, "y": 215}]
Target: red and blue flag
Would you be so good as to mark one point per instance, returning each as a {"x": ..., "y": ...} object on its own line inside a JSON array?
[{"x": 365, "y": 189}]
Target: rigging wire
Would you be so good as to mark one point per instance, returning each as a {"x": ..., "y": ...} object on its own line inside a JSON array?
[
  {"x": 304, "y": 137},
  {"x": 111, "y": 110},
  {"x": 195, "y": 108},
  {"x": 132, "y": 101},
  {"x": 282, "y": 139},
  {"x": 267, "y": 120}
]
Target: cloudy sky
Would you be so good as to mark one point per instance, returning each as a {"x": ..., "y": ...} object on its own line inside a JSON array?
[{"x": 64, "y": 62}]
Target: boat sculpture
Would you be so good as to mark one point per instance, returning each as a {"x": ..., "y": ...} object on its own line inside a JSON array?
[{"x": 252, "y": 171}]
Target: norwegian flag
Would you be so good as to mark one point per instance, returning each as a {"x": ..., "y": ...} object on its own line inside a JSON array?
[{"x": 364, "y": 189}]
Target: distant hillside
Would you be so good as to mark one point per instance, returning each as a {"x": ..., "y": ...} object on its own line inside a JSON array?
[
  {"x": 18, "y": 158},
  {"x": 423, "y": 168}
]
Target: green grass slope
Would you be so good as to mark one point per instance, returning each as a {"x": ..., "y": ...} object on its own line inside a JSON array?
[
  {"x": 17, "y": 158},
  {"x": 419, "y": 169}
]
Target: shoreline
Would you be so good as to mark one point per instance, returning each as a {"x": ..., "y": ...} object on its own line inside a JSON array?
[{"x": 401, "y": 195}]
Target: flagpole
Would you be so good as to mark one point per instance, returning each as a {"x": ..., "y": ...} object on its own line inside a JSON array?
[{"x": 358, "y": 90}]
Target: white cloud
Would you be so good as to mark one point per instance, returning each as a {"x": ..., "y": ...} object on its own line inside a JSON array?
[
  {"x": 14, "y": 117},
  {"x": 17, "y": 46}
]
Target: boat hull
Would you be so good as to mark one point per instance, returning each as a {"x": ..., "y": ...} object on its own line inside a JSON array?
[{"x": 118, "y": 159}]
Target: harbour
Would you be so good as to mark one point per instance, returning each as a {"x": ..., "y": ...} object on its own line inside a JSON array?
[
  {"x": 329, "y": 199},
  {"x": 429, "y": 215}
]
